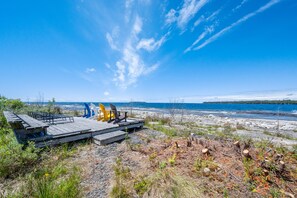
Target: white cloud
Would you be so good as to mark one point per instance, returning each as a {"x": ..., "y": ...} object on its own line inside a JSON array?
[
  {"x": 171, "y": 17},
  {"x": 131, "y": 66},
  {"x": 120, "y": 72},
  {"x": 128, "y": 3},
  {"x": 240, "y": 5},
  {"x": 188, "y": 11},
  {"x": 137, "y": 27},
  {"x": 198, "y": 21},
  {"x": 182, "y": 16},
  {"x": 110, "y": 38},
  {"x": 151, "y": 69},
  {"x": 213, "y": 15},
  {"x": 111, "y": 42},
  {"x": 206, "y": 31},
  {"x": 90, "y": 70},
  {"x": 150, "y": 44},
  {"x": 106, "y": 93},
  {"x": 243, "y": 19}
]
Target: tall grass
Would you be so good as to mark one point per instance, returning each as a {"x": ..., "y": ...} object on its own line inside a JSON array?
[{"x": 38, "y": 174}]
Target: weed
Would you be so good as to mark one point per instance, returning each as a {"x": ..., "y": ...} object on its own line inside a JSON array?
[
  {"x": 278, "y": 134},
  {"x": 141, "y": 186},
  {"x": 152, "y": 156},
  {"x": 121, "y": 174},
  {"x": 171, "y": 160},
  {"x": 248, "y": 165},
  {"x": 162, "y": 165},
  {"x": 119, "y": 192},
  {"x": 225, "y": 193},
  {"x": 200, "y": 164},
  {"x": 240, "y": 127},
  {"x": 275, "y": 193}
]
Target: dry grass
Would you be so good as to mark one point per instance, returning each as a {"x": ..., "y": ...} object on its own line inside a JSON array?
[{"x": 170, "y": 168}]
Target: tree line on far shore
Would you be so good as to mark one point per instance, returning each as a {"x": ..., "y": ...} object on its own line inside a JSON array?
[{"x": 282, "y": 102}]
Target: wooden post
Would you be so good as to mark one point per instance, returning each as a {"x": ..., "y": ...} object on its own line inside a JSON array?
[{"x": 236, "y": 144}]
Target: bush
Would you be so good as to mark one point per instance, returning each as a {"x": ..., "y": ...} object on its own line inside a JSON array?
[
  {"x": 11, "y": 104},
  {"x": 13, "y": 158}
]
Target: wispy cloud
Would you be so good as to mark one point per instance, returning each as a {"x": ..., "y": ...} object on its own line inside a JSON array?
[
  {"x": 128, "y": 5},
  {"x": 150, "y": 44},
  {"x": 199, "y": 21},
  {"x": 206, "y": 31},
  {"x": 106, "y": 93},
  {"x": 137, "y": 27},
  {"x": 110, "y": 38},
  {"x": 240, "y": 5},
  {"x": 110, "y": 41},
  {"x": 90, "y": 70},
  {"x": 171, "y": 16},
  {"x": 131, "y": 65},
  {"x": 241, "y": 20},
  {"x": 188, "y": 10},
  {"x": 213, "y": 15}
]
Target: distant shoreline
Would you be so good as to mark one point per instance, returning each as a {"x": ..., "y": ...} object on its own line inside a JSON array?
[{"x": 279, "y": 102}]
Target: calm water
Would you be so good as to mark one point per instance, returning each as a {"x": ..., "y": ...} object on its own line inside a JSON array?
[{"x": 267, "y": 111}]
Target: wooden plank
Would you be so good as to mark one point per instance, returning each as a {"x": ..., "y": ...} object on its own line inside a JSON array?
[
  {"x": 107, "y": 138},
  {"x": 62, "y": 140},
  {"x": 33, "y": 123},
  {"x": 11, "y": 117},
  {"x": 59, "y": 133}
]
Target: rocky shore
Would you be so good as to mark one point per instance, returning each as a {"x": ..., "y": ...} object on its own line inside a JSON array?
[{"x": 282, "y": 132}]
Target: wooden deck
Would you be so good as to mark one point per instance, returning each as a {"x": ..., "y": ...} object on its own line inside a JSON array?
[{"x": 82, "y": 128}]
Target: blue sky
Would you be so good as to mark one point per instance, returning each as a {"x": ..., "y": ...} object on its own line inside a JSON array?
[{"x": 145, "y": 50}]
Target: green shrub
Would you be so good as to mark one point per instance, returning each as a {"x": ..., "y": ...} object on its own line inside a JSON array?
[
  {"x": 141, "y": 186},
  {"x": 13, "y": 158}
]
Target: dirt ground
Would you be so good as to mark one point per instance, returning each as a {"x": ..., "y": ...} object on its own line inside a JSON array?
[{"x": 223, "y": 171}]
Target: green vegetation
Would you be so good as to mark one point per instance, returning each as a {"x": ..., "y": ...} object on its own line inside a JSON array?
[
  {"x": 36, "y": 172},
  {"x": 160, "y": 120},
  {"x": 200, "y": 164},
  {"x": 121, "y": 174},
  {"x": 279, "y": 135},
  {"x": 163, "y": 183},
  {"x": 14, "y": 157},
  {"x": 141, "y": 186}
]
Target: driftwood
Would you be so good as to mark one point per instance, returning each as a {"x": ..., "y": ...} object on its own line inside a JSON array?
[
  {"x": 226, "y": 155},
  {"x": 237, "y": 144}
]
